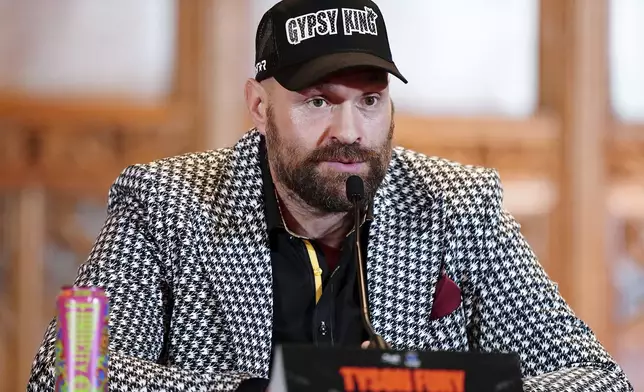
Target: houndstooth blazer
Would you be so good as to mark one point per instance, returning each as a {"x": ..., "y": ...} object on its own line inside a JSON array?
[{"x": 184, "y": 258}]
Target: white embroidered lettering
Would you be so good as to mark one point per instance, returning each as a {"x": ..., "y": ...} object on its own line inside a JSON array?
[
  {"x": 291, "y": 32},
  {"x": 359, "y": 21},
  {"x": 333, "y": 20},
  {"x": 325, "y": 22},
  {"x": 261, "y": 66},
  {"x": 307, "y": 26}
]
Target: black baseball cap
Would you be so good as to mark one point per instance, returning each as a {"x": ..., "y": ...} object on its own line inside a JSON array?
[{"x": 299, "y": 42}]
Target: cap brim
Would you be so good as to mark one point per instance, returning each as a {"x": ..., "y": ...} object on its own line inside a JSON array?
[{"x": 301, "y": 76}]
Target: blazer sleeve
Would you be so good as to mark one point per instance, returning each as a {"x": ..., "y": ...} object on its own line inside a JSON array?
[
  {"x": 126, "y": 263},
  {"x": 516, "y": 308}
]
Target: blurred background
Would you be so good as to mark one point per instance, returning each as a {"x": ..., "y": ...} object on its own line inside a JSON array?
[{"x": 550, "y": 92}]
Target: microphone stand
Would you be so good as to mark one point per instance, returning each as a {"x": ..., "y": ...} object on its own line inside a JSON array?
[{"x": 375, "y": 340}]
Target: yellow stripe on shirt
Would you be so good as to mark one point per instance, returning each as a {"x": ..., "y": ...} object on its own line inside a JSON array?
[{"x": 317, "y": 271}]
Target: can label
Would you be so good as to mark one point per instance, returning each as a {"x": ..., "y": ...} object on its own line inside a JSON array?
[{"x": 82, "y": 341}]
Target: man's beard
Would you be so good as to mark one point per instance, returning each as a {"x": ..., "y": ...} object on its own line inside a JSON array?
[{"x": 325, "y": 191}]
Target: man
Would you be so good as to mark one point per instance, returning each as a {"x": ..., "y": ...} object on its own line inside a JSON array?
[{"x": 211, "y": 259}]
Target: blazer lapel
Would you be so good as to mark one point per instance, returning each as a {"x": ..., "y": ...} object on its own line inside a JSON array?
[
  {"x": 241, "y": 265},
  {"x": 404, "y": 257}
]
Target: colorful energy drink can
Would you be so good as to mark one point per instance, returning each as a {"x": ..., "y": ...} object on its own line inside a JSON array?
[{"x": 82, "y": 341}]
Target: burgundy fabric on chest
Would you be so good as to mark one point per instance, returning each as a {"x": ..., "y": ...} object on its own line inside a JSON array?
[{"x": 447, "y": 298}]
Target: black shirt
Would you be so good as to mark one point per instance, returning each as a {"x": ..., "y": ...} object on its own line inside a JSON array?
[{"x": 310, "y": 309}]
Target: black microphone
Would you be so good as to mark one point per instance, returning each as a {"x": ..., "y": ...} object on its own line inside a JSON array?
[{"x": 355, "y": 194}]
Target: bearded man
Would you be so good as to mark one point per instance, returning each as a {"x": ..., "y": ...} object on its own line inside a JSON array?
[{"x": 211, "y": 259}]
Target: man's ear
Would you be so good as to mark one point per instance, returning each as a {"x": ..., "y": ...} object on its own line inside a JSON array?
[{"x": 257, "y": 103}]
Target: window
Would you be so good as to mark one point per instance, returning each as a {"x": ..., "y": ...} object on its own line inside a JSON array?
[
  {"x": 626, "y": 62},
  {"x": 107, "y": 48}
]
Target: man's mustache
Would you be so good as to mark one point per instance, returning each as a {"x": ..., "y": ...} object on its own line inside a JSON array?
[{"x": 343, "y": 152}]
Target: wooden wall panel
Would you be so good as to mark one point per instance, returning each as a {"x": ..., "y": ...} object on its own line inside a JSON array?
[
  {"x": 27, "y": 244},
  {"x": 574, "y": 86},
  {"x": 5, "y": 316},
  {"x": 626, "y": 245},
  {"x": 223, "y": 102}
]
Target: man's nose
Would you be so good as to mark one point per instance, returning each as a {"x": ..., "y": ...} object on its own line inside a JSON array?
[{"x": 345, "y": 128}]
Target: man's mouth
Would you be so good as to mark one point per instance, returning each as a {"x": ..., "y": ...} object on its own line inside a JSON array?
[
  {"x": 346, "y": 161},
  {"x": 348, "y": 165}
]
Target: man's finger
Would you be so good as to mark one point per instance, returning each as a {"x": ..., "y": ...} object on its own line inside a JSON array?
[{"x": 365, "y": 344}]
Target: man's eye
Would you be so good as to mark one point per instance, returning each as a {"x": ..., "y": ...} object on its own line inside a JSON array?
[
  {"x": 371, "y": 100},
  {"x": 317, "y": 102}
]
